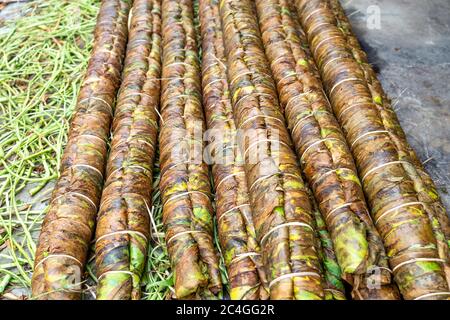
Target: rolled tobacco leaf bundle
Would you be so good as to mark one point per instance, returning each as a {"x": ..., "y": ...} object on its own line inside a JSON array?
[
  {"x": 323, "y": 152},
  {"x": 282, "y": 210},
  {"x": 333, "y": 287},
  {"x": 68, "y": 226},
  {"x": 377, "y": 91},
  {"x": 405, "y": 205},
  {"x": 185, "y": 185},
  {"x": 233, "y": 211},
  {"x": 123, "y": 223}
]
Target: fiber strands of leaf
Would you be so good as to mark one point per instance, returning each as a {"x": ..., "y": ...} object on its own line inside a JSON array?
[
  {"x": 324, "y": 155},
  {"x": 405, "y": 205},
  {"x": 282, "y": 210},
  {"x": 234, "y": 214},
  {"x": 185, "y": 186},
  {"x": 68, "y": 226},
  {"x": 123, "y": 223}
]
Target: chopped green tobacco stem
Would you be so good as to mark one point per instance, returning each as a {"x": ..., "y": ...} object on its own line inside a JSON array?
[{"x": 40, "y": 76}]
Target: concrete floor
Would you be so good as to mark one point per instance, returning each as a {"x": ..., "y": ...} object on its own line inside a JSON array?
[{"x": 411, "y": 53}]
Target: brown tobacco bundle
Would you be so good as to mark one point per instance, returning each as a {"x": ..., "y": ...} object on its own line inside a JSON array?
[
  {"x": 377, "y": 91},
  {"x": 185, "y": 186},
  {"x": 234, "y": 214},
  {"x": 123, "y": 224},
  {"x": 282, "y": 210},
  {"x": 333, "y": 287},
  {"x": 68, "y": 226},
  {"x": 404, "y": 202},
  {"x": 325, "y": 157}
]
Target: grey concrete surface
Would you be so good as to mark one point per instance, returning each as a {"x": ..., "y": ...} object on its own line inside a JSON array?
[
  {"x": 411, "y": 54},
  {"x": 11, "y": 10}
]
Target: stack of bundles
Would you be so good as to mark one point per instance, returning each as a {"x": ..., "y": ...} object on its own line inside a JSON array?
[
  {"x": 234, "y": 214},
  {"x": 323, "y": 152},
  {"x": 185, "y": 186},
  {"x": 282, "y": 210},
  {"x": 123, "y": 223},
  {"x": 68, "y": 226},
  {"x": 404, "y": 202}
]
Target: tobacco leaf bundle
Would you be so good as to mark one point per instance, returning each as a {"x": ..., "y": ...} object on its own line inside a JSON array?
[
  {"x": 324, "y": 155},
  {"x": 333, "y": 287},
  {"x": 185, "y": 185},
  {"x": 68, "y": 225},
  {"x": 123, "y": 224},
  {"x": 405, "y": 205},
  {"x": 377, "y": 91},
  {"x": 282, "y": 210},
  {"x": 234, "y": 215}
]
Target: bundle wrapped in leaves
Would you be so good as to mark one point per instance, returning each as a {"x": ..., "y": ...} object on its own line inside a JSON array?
[
  {"x": 282, "y": 210},
  {"x": 404, "y": 202},
  {"x": 323, "y": 152},
  {"x": 123, "y": 223},
  {"x": 233, "y": 211},
  {"x": 333, "y": 286},
  {"x": 68, "y": 226},
  {"x": 185, "y": 185}
]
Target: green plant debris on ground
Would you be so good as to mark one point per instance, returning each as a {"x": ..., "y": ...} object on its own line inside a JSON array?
[{"x": 43, "y": 57}]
